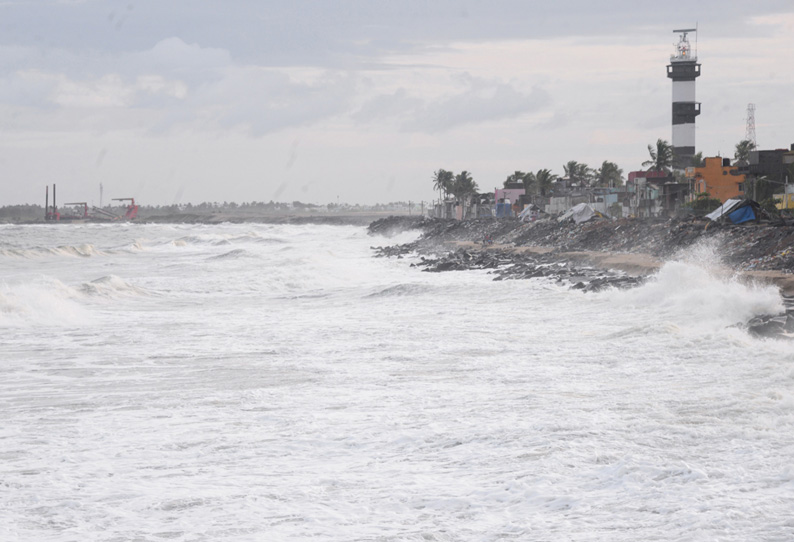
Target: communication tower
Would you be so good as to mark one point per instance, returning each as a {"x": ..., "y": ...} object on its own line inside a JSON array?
[
  {"x": 683, "y": 70},
  {"x": 749, "y": 133}
]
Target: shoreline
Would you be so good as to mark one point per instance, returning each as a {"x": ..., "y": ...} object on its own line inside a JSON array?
[
  {"x": 634, "y": 264},
  {"x": 763, "y": 253}
]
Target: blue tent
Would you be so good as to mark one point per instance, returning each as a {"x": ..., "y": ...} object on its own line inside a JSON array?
[
  {"x": 737, "y": 210},
  {"x": 743, "y": 214}
]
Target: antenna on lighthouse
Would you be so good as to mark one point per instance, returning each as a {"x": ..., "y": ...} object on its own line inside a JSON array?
[{"x": 749, "y": 132}]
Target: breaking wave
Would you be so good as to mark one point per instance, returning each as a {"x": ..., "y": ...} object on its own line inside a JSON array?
[
  {"x": 214, "y": 239},
  {"x": 400, "y": 290},
  {"x": 231, "y": 255},
  {"x": 81, "y": 251},
  {"x": 111, "y": 286},
  {"x": 696, "y": 291},
  {"x": 44, "y": 300}
]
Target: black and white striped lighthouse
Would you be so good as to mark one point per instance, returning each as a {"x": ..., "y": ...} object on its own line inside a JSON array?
[{"x": 683, "y": 70}]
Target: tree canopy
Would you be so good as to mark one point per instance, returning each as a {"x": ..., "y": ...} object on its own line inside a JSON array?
[
  {"x": 609, "y": 175},
  {"x": 698, "y": 160},
  {"x": 442, "y": 181},
  {"x": 661, "y": 156},
  {"x": 543, "y": 180},
  {"x": 515, "y": 177},
  {"x": 743, "y": 150},
  {"x": 463, "y": 185},
  {"x": 578, "y": 172}
]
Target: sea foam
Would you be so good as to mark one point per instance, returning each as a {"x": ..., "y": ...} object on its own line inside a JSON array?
[
  {"x": 43, "y": 300},
  {"x": 696, "y": 289}
]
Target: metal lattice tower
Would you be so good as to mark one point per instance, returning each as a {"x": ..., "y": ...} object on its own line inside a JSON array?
[{"x": 749, "y": 132}]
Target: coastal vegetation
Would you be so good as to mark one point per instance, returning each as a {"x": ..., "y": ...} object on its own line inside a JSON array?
[
  {"x": 609, "y": 175},
  {"x": 743, "y": 150},
  {"x": 540, "y": 181},
  {"x": 460, "y": 186},
  {"x": 703, "y": 203},
  {"x": 661, "y": 157}
]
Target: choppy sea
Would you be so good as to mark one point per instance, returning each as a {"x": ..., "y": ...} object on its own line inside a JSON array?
[{"x": 276, "y": 382}]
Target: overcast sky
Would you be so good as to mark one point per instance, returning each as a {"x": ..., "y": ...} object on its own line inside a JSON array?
[{"x": 360, "y": 101}]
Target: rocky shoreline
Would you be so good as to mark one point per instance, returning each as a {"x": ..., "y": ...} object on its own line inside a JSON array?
[{"x": 597, "y": 255}]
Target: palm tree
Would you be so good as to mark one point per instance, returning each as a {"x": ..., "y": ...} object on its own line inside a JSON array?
[
  {"x": 661, "y": 157},
  {"x": 577, "y": 172},
  {"x": 442, "y": 181},
  {"x": 698, "y": 160},
  {"x": 609, "y": 174},
  {"x": 463, "y": 187},
  {"x": 570, "y": 169},
  {"x": 543, "y": 180},
  {"x": 743, "y": 149},
  {"x": 530, "y": 181},
  {"x": 515, "y": 177}
]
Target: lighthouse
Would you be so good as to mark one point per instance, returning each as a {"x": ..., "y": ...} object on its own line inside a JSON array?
[{"x": 683, "y": 70}]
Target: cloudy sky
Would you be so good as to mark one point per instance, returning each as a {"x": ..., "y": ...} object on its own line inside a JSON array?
[{"x": 360, "y": 101}]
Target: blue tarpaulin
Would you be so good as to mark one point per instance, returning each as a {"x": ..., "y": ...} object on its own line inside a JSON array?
[
  {"x": 745, "y": 214},
  {"x": 503, "y": 209}
]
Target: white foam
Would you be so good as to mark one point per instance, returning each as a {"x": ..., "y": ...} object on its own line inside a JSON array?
[
  {"x": 111, "y": 286},
  {"x": 311, "y": 391},
  {"x": 82, "y": 251},
  {"x": 42, "y": 300},
  {"x": 696, "y": 290}
]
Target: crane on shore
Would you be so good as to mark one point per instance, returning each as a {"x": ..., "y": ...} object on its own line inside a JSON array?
[{"x": 132, "y": 209}]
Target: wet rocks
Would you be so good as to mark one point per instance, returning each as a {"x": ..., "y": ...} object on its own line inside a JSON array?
[
  {"x": 394, "y": 251},
  {"x": 508, "y": 265},
  {"x": 774, "y": 326},
  {"x": 395, "y": 224},
  {"x": 747, "y": 246}
]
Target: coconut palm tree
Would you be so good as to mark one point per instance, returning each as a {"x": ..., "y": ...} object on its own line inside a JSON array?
[
  {"x": 515, "y": 177},
  {"x": 698, "y": 160},
  {"x": 577, "y": 172},
  {"x": 543, "y": 181},
  {"x": 609, "y": 174},
  {"x": 743, "y": 149},
  {"x": 661, "y": 157},
  {"x": 463, "y": 185},
  {"x": 442, "y": 181},
  {"x": 530, "y": 181}
]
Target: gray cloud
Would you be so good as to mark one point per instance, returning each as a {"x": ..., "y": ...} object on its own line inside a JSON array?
[
  {"x": 345, "y": 33},
  {"x": 480, "y": 101},
  {"x": 180, "y": 85}
]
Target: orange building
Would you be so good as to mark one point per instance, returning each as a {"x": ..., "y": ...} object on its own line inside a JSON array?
[{"x": 718, "y": 178}]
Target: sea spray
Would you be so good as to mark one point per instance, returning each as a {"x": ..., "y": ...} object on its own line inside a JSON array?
[
  {"x": 695, "y": 289},
  {"x": 42, "y": 300}
]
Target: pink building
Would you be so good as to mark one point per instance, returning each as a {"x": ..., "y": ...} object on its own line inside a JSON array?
[{"x": 511, "y": 194}]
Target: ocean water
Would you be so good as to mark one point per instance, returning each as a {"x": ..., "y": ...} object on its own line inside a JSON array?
[{"x": 276, "y": 382}]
